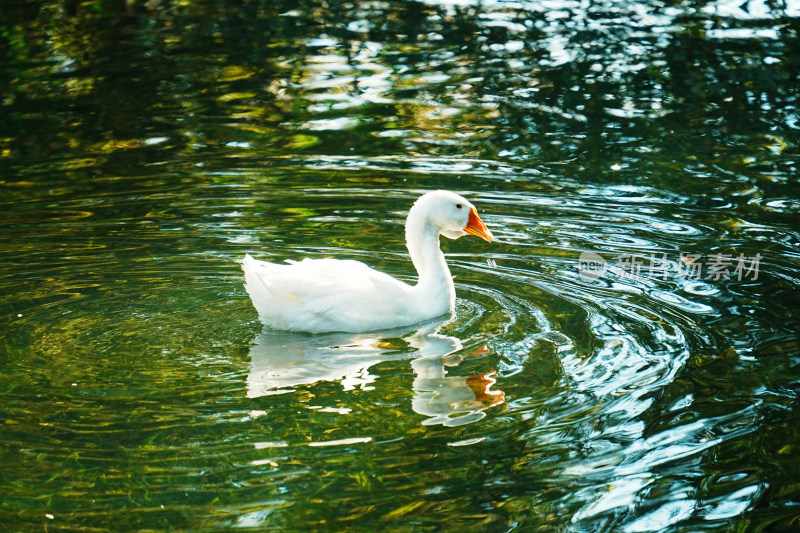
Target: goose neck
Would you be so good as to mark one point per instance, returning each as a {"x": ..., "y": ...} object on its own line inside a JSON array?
[{"x": 422, "y": 241}]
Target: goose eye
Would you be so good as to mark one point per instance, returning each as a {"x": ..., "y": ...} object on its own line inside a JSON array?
[{"x": 458, "y": 206}]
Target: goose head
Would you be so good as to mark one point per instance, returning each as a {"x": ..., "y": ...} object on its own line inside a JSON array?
[{"x": 450, "y": 215}]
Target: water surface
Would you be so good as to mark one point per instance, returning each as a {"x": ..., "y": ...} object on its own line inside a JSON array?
[{"x": 146, "y": 147}]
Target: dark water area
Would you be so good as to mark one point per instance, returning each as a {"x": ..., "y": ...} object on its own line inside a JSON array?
[{"x": 624, "y": 356}]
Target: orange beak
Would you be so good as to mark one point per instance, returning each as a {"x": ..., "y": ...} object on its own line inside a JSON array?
[{"x": 475, "y": 226}]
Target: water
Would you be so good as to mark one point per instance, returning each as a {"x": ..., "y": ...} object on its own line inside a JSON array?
[{"x": 146, "y": 147}]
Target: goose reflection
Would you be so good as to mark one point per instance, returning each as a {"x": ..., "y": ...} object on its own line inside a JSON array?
[{"x": 282, "y": 361}]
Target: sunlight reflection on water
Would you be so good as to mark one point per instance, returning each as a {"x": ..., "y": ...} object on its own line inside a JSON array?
[{"x": 147, "y": 146}]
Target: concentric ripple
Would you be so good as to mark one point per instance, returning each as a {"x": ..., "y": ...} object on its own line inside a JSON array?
[{"x": 138, "y": 350}]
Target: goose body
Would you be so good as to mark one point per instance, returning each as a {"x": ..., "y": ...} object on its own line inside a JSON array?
[{"x": 325, "y": 295}]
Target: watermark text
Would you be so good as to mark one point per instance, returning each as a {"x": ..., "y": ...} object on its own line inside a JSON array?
[{"x": 711, "y": 267}]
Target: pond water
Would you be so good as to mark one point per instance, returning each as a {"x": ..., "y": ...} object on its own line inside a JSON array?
[{"x": 624, "y": 357}]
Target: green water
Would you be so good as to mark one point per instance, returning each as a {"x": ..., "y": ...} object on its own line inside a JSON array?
[{"x": 146, "y": 147}]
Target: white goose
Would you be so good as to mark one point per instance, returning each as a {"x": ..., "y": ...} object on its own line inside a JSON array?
[{"x": 324, "y": 295}]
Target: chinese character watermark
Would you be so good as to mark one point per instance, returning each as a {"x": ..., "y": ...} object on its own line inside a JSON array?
[{"x": 713, "y": 267}]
